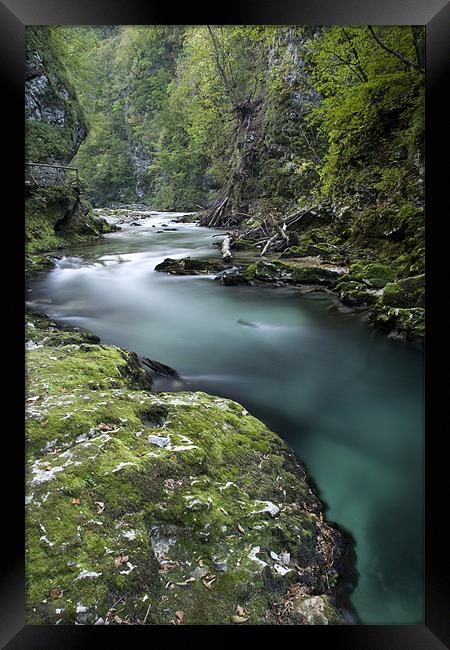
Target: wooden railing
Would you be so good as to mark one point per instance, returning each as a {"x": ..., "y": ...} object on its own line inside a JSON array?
[{"x": 46, "y": 175}]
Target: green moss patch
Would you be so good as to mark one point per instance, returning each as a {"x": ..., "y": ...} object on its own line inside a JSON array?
[{"x": 141, "y": 505}]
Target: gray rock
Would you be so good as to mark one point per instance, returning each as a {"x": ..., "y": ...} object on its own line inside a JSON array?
[{"x": 159, "y": 441}]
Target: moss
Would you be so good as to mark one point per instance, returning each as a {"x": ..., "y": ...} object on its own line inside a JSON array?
[
  {"x": 191, "y": 266},
  {"x": 274, "y": 271},
  {"x": 55, "y": 218},
  {"x": 185, "y": 525},
  {"x": 402, "y": 323},
  {"x": 409, "y": 292},
  {"x": 372, "y": 274}
]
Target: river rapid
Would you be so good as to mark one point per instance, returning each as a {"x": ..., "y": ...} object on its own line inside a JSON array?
[{"x": 347, "y": 399}]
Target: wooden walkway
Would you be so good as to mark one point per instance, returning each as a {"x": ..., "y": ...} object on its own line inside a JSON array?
[{"x": 46, "y": 175}]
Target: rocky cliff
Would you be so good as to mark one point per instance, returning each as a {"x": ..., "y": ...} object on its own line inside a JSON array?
[{"x": 55, "y": 128}]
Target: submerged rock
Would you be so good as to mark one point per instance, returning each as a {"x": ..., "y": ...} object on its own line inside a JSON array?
[{"x": 184, "y": 526}]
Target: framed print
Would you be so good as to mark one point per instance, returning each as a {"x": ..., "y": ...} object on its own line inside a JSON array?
[{"x": 227, "y": 398}]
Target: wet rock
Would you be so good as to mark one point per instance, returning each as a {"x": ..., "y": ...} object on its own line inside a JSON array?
[
  {"x": 231, "y": 277},
  {"x": 273, "y": 271},
  {"x": 191, "y": 266}
]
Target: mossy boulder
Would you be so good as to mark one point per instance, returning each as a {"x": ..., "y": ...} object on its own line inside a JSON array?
[
  {"x": 317, "y": 242},
  {"x": 401, "y": 323},
  {"x": 373, "y": 274},
  {"x": 356, "y": 294},
  {"x": 409, "y": 292},
  {"x": 160, "y": 507},
  {"x": 55, "y": 218},
  {"x": 275, "y": 271},
  {"x": 191, "y": 266}
]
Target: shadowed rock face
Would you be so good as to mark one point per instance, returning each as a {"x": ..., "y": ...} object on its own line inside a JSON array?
[
  {"x": 164, "y": 502},
  {"x": 55, "y": 121}
]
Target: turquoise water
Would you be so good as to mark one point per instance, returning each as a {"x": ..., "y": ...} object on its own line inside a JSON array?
[{"x": 347, "y": 399}]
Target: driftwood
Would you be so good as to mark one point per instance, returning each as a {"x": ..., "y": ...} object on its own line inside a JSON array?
[
  {"x": 274, "y": 235},
  {"x": 160, "y": 368},
  {"x": 226, "y": 252},
  {"x": 269, "y": 244}
]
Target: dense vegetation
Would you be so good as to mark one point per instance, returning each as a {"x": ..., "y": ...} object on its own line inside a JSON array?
[
  {"x": 331, "y": 110},
  {"x": 257, "y": 120},
  {"x": 250, "y": 125}
]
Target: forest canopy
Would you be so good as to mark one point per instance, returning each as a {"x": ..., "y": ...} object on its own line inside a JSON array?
[{"x": 180, "y": 116}]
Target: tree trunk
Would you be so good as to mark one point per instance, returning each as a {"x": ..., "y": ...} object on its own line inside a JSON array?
[{"x": 248, "y": 137}]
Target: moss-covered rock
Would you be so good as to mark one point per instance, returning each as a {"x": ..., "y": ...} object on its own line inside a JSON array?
[
  {"x": 55, "y": 128},
  {"x": 55, "y": 218},
  {"x": 191, "y": 266},
  {"x": 409, "y": 292},
  {"x": 55, "y": 121},
  {"x": 168, "y": 507},
  {"x": 401, "y": 323},
  {"x": 356, "y": 294},
  {"x": 373, "y": 274},
  {"x": 318, "y": 242},
  {"x": 275, "y": 271}
]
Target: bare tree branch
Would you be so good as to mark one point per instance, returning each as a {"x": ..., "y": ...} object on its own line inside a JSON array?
[{"x": 399, "y": 55}]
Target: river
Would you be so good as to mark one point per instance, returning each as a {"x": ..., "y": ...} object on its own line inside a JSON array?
[{"x": 347, "y": 399}]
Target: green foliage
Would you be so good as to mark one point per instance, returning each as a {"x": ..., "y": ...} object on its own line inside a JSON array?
[
  {"x": 371, "y": 111},
  {"x": 339, "y": 115}
]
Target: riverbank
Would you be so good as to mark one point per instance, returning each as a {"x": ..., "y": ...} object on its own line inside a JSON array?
[
  {"x": 392, "y": 292},
  {"x": 164, "y": 508},
  {"x": 298, "y": 359}
]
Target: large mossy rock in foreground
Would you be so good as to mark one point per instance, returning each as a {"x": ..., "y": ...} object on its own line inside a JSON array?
[{"x": 162, "y": 507}]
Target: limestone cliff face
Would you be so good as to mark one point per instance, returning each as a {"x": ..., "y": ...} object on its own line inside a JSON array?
[
  {"x": 55, "y": 128},
  {"x": 55, "y": 123}
]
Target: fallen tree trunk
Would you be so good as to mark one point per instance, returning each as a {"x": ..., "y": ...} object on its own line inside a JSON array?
[{"x": 269, "y": 244}]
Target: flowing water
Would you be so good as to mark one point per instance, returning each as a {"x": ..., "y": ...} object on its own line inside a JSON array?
[{"x": 347, "y": 399}]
